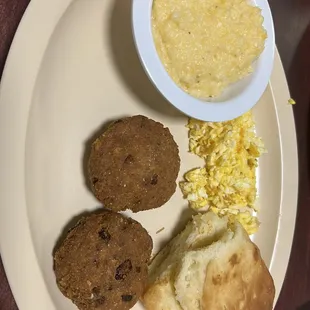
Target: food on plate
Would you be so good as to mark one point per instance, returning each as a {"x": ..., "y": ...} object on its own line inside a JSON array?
[
  {"x": 134, "y": 165},
  {"x": 291, "y": 101},
  {"x": 207, "y": 45},
  {"x": 102, "y": 263},
  {"x": 211, "y": 265},
  {"x": 227, "y": 182}
]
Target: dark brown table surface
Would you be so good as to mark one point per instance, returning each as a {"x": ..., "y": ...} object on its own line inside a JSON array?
[{"x": 292, "y": 23}]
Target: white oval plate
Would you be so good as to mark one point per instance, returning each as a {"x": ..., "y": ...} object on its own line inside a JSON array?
[{"x": 73, "y": 67}]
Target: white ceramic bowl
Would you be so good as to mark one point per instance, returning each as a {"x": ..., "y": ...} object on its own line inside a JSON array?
[{"x": 237, "y": 99}]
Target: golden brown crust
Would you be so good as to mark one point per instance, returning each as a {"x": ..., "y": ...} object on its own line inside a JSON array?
[
  {"x": 134, "y": 165},
  {"x": 161, "y": 297},
  {"x": 238, "y": 280},
  {"x": 102, "y": 263},
  {"x": 227, "y": 273}
]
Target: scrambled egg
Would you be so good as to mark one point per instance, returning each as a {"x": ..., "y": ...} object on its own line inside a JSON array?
[
  {"x": 227, "y": 182},
  {"x": 291, "y": 101},
  {"x": 207, "y": 45}
]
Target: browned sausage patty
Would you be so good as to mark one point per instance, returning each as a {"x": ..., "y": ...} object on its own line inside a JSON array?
[
  {"x": 134, "y": 165},
  {"x": 102, "y": 263}
]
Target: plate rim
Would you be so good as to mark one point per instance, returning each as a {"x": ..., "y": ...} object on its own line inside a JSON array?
[{"x": 23, "y": 73}]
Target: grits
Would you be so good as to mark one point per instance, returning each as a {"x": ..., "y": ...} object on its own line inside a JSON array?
[{"x": 206, "y": 45}]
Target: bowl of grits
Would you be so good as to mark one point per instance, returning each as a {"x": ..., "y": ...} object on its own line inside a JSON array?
[{"x": 211, "y": 59}]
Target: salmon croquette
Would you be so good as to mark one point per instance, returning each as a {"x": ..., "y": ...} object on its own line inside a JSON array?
[
  {"x": 102, "y": 263},
  {"x": 134, "y": 165}
]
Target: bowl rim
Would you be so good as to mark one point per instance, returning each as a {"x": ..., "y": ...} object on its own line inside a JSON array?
[{"x": 191, "y": 106}]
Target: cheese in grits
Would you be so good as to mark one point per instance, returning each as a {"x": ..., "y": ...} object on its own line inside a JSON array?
[{"x": 206, "y": 45}]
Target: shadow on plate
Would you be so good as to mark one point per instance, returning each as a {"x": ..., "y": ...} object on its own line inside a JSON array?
[
  {"x": 128, "y": 65},
  {"x": 87, "y": 147},
  {"x": 184, "y": 218}
]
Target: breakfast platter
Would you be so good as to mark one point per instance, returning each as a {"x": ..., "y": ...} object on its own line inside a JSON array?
[{"x": 100, "y": 173}]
